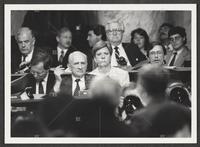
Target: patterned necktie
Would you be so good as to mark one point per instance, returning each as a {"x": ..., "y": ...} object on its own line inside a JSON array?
[
  {"x": 116, "y": 53},
  {"x": 41, "y": 90},
  {"x": 173, "y": 59},
  {"x": 23, "y": 58},
  {"x": 61, "y": 57},
  {"x": 77, "y": 89}
]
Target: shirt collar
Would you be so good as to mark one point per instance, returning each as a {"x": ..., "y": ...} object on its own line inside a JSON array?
[
  {"x": 179, "y": 51},
  {"x": 59, "y": 50},
  {"x": 30, "y": 54},
  {"x": 81, "y": 79},
  {"x": 46, "y": 78},
  {"x": 119, "y": 46}
]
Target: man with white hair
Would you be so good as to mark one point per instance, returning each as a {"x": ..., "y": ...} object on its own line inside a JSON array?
[
  {"x": 78, "y": 80},
  {"x": 20, "y": 60},
  {"x": 120, "y": 56}
]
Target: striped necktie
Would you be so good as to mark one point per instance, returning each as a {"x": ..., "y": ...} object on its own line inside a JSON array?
[
  {"x": 41, "y": 90},
  {"x": 116, "y": 53},
  {"x": 61, "y": 57},
  {"x": 77, "y": 89}
]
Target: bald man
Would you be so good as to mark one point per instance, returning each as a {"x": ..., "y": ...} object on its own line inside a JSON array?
[
  {"x": 20, "y": 60},
  {"x": 78, "y": 80}
]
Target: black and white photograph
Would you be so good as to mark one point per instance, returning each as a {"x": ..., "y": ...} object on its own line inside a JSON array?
[{"x": 106, "y": 73}]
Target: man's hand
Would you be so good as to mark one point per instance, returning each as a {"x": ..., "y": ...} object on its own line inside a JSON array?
[
  {"x": 58, "y": 71},
  {"x": 23, "y": 65}
]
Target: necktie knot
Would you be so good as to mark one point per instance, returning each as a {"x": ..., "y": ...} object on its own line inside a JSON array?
[
  {"x": 77, "y": 80},
  {"x": 116, "y": 49},
  {"x": 24, "y": 58},
  {"x": 175, "y": 53}
]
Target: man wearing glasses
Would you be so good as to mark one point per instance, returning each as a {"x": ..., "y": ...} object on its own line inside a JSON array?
[
  {"x": 44, "y": 79},
  {"x": 181, "y": 55},
  {"x": 114, "y": 33}
]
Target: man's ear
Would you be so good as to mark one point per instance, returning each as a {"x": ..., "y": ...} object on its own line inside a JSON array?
[
  {"x": 99, "y": 37},
  {"x": 148, "y": 59},
  {"x": 95, "y": 60},
  {"x": 68, "y": 66},
  {"x": 57, "y": 39},
  {"x": 33, "y": 41}
]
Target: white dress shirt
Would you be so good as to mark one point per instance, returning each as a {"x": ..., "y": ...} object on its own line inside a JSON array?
[
  {"x": 121, "y": 53},
  {"x": 115, "y": 73},
  {"x": 44, "y": 84},
  {"x": 81, "y": 84},
  {"x": 177, "y": 56},
  {"x": 28, "y": 57},
  {"x": 59, "y": 50}
]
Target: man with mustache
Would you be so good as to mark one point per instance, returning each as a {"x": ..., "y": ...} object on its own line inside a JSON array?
[{"x": 64, "y": 47}]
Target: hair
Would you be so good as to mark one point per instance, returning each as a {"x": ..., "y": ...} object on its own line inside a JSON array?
[
  {"x": 62, "y": 30},
  {"x": 23, "y": 29},
  {"x": 154, "y": 80},
  {"x": 120, "y": 23},
  {"x": 76, "y": 52},
  {"x": 43, "y": 56},
  {"x": 143, "y": 33},
  {"x": 167, "y": 25},
  {"x": 153, "y": 44},
  {"x": 180, "y": 31},
  {"x": 99, "y": 30},
  {"x": 99, "y": 45}
]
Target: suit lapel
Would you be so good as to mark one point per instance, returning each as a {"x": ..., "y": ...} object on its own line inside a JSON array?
[
  {"x": 181, "y": 58},
  {"x": 168, "y": 56}
]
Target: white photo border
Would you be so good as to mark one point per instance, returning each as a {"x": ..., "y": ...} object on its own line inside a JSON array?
[{"x": 134, "y": 7}]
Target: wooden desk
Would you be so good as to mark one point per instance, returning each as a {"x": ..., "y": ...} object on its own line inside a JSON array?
[{"x": 176, "y": 74}]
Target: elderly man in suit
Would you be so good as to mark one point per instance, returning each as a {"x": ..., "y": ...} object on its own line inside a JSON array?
[
  {"x": 20, "y": 59},
  {"x": 122, "y": 52},
  {"x": 181, "y": 55},
  {"x": 64, "y": 47},
  {"x": 78, "y": 80}
]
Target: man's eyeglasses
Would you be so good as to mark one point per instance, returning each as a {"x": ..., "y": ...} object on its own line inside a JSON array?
[
  {"x": 114, "y": 31},
  {"x": 176, "y": 38}
]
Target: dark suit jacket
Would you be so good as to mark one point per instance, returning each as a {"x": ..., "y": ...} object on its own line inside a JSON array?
[
  {"x": 184, "y": 59},
  {"x": 65, "y": 59},
  {"x": 66, "y": 84},
  {"x": 50, "y": 83},
  {"x": 133, "y": 53}
]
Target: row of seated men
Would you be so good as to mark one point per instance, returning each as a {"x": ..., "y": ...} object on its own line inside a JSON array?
[
  {"x": 149, "y": 111},
  {"x": 172, "y": 40}
]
